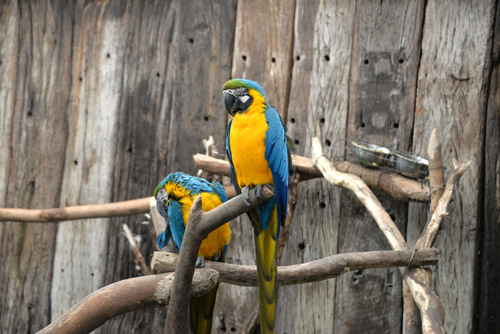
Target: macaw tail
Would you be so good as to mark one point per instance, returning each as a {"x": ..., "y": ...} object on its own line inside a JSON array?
[
  {"x": 202, "y": 309},
  {"x": 266, "y": 254}
]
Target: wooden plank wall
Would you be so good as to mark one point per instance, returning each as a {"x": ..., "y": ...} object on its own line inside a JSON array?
[{"x": 99, "y": 100}]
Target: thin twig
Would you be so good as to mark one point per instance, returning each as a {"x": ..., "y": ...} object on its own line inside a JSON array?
[
  {"x": 139, "y": 259},
  {"x": 431, "y": 229}
]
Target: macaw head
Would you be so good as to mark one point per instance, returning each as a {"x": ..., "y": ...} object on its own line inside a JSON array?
[
  {"x": 161, "y": 197},
  {"x": 239, "y": 94}
]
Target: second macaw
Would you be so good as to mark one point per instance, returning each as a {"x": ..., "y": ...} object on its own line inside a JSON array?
[
  {"x": 256, "y": 147},
  {"x": 174, "y": 197}
]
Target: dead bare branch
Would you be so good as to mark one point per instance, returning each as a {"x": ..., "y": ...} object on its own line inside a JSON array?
[
  {"x": 139, "y": 259},
  {"x": 427, "y": 301},
  {"x": 125, "y": 208},
  {"x": 200, "y": 224},
  {"x": 397, "y": 186},
  {"x": 318, "y": 270},
  {"x": 125, "y": 296}
]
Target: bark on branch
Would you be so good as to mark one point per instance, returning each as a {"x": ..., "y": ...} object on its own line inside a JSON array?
[
  {"x": 125, "y": 208},
  {"x": 417, "y": 279},
  {"x": 125, "y": 296},
  {"x": 200, "y": 224},
  {"x": 318, "y": 270},
  {"x": 397, "y": 186}
]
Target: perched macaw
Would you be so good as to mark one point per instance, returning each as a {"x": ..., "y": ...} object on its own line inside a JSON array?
[
  {"x": 257, "y": 150},
  {"x": 174, "y": 197}
]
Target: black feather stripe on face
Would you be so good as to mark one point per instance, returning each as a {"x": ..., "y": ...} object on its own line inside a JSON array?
[{"x": 236, "y": 100}]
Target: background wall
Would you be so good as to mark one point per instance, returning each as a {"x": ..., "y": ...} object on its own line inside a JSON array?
[{"x": 100, "y": 100}]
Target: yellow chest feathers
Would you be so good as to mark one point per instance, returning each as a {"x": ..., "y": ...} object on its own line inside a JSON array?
[{"x": 247, "y": 142}]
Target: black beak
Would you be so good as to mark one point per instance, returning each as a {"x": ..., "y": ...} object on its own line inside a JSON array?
[
  {"x": 230, "y": 103},
  {"x": 161, "y": 206},
  {"x": 235, "y": 103}
]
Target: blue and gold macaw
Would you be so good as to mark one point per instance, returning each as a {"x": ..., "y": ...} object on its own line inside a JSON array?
[
  {"x": 174, "y": 197},
  {"x": 257, "y": 150}
]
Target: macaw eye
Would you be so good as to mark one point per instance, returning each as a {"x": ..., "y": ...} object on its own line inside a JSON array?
[
  {"x": 162, "y": 195},
  {"x": 240, "y": 91}
]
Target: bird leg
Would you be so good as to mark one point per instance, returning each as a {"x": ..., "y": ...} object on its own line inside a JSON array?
[{"x": 258, "y": 189}]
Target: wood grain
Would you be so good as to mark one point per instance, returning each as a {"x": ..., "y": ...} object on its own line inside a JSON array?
[
  {"x": 456, "y": 43},
  {"x": 33, "y": 135},
  {"x": 318, "y": 106},
  {"x": 489, "y": 289},
  {"x": 385, "y": 56}
]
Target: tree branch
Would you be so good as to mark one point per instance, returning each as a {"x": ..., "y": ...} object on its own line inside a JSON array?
[
  {"x": 364, "y": 194},
  {"x": 432, "y": 227},
  {"x": 139, "y": 259},
  {"x": 427, "y": 301},
  {"x": 397, "y": 186},
  {"x": 125, "y": 208},
  {"x": 200, "y": 224},
  {"x": 318, "y": 270},
  {"x": 128, "y": 295}
]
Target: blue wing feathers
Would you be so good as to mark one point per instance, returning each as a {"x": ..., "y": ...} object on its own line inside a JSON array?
[
  {"x": 277, "y": 156},
  {"x": 176, "y": 222}
]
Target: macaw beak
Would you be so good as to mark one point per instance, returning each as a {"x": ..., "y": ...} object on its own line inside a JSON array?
[
  {"x": 161, "y": 203},
  {"x": 230, "y": 102}
]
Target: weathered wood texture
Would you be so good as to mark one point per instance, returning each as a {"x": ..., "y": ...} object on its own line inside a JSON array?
[
  {"x": 452, "y": 80},
  {"x": 489, "y": 293},
  {"x": 100, "y": 100},
  {"x": 35, "y": 71},
  {"x": 386, "y": 52}
]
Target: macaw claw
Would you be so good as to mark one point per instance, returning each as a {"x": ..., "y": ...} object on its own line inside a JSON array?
[
  {"x": 200, "y": 262},
  {"x": 246, "y": 196},
  {"x": 258, "y": 191}
]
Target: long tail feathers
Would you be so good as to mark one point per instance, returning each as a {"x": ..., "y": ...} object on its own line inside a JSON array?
[
  {"x": 266, "y": 253},
  {"x": 202, "y": 311}
]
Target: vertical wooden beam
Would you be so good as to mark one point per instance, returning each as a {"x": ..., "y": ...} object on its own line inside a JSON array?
[
  {"x": 262, "y": 52},
  {"x": 263, "y": 47},
  {"x": 385, "y": 59},
  {"x": 98, "y": 49},
  {"x": 318, "y": 107},
  {"x": 488, "y": 309},
  {"x": 34, "y": 58},
  {"x": 453, "y": 74}
]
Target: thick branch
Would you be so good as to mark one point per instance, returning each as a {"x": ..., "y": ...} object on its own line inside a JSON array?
[
  {"x": 200, "y": 224},
  {"x": 125, "y": 296},
  {"x": 364, "y": 194},
  {"x": 318, "y": 270},
  {"x": 125, "y": 208},
  {"x": 397, "y": 186}
]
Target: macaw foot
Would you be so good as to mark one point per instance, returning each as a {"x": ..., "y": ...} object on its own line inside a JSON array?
[
  {"x": 246, "y": 196},
  {"x": 258, "y": 189},
  {"x": 200, "y": 262}
]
